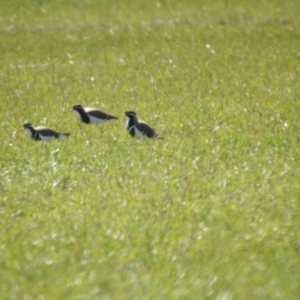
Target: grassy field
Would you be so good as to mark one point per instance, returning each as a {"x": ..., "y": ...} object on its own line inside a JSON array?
[{"x": 210, "y": 212}]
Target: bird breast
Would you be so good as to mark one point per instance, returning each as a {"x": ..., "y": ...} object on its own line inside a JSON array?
[
  {"x": 77, "y": 114},
  {"x": 29, "y": 132}
]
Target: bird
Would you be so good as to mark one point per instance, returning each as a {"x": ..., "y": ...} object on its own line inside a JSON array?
[
  {"x": 43, "y": 133},
  {"x": 139, "y": 128},
  {"x": 91, "y": 115}
]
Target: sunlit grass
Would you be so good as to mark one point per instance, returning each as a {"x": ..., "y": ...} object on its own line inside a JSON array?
[{"x": 211, "y": 211}]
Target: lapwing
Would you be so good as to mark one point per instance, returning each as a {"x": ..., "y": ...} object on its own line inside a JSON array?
[
  {"x": 91, "y": 115},
  {"x": 43, "y": 133},
  {"x": 139, "y": 128}
]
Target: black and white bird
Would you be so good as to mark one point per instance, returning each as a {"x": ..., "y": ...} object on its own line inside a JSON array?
[
  {"x": 139, "y": 128},
  {"x": 43, "y": 133},
  {"x": 91, "y": 115}
]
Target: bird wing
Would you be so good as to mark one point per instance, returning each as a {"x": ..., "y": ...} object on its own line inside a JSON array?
[
  {"x": 97, "y": 113},
  {"x": 144, "y": 128},
  {"x": 46, "y": 131}
]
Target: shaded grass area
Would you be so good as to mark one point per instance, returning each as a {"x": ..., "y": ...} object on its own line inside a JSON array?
[{"x": 212, "y": 211}]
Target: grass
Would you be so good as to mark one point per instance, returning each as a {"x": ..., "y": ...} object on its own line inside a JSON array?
[{"x": 211, "y": 211}]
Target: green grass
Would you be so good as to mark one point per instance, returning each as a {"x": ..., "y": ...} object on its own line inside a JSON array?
[{"x": 211, "y": 211}]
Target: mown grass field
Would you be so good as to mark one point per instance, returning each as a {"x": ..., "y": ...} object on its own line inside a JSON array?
[{"x": 211, "y": 211}]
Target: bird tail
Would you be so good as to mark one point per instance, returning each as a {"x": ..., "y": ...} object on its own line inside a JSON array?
[{"x": 64, "y": 134}]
